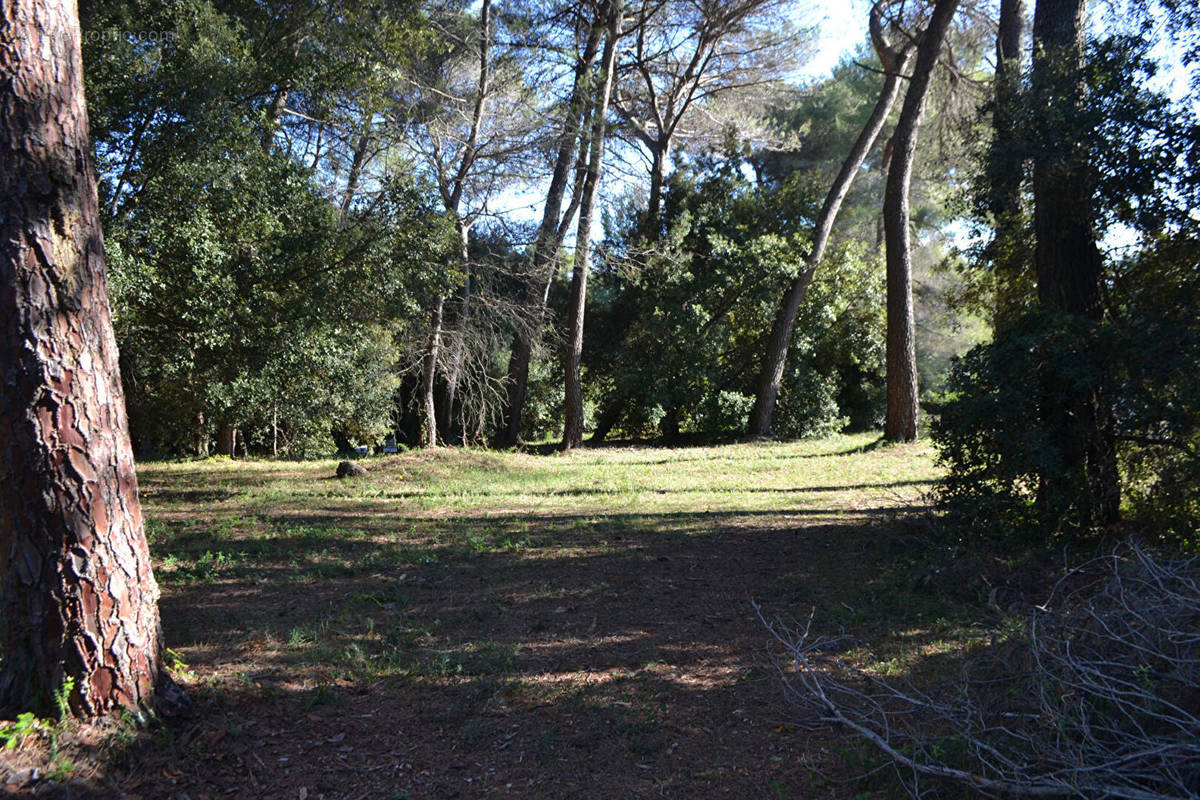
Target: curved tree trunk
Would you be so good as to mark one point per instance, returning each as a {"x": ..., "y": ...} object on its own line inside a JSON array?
[
  {"x": 1067, "y": 260},
  {"x": 608, "y": 418},
  {"x": 79, "y": 598},
  {"x": 902, "y": 408},
  {"x": 771, "y": 377},
  {"x": 573, "y": 403}
]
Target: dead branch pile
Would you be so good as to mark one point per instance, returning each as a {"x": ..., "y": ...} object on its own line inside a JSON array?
[{"x": 1097, "y": 695}]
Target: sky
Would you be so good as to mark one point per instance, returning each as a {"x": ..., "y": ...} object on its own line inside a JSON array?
[{"x": 840, "y": 28}]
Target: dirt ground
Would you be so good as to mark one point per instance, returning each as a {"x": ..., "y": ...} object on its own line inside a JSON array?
[{"x": 350, "y": 645}]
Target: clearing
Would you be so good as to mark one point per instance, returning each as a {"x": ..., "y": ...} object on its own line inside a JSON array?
[{"x": 464, "y": 623}]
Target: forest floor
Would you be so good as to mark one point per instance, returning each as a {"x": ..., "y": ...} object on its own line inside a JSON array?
[{"x": 461, "y": 624}]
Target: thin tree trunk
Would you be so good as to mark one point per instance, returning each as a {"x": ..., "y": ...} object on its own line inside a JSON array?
[
  {"x": 573, "y": 402},
  {"x": 76, "y": 585},
  {"x": 1067, "y": 260},
  {"x": 902, "y": 405},
  {"x": 456, "y": 360},
  {"x": 429, "y": 428},
  {"x": 659, "y": 156},
  {"x": 134, "y": 143},
  {"x": 452, "y": 193},
  {"x": 771, "y": 377},
  {"x": 274, "y": 116},
  {"x": 357, "y": 161},
  {"x": 608, "y": 418},
  {"x": 201, "y": 436},
  {"x": 548, "y": 242}
]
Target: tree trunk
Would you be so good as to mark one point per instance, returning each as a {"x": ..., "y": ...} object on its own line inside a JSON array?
[
  {"x": 429, "y": 428},
  {"x": 573, "y": 404},
  {"x": 1067, "y": 260},
  {"x": 357, "y": 161},
  {"x": 226, "y": 439},
  {"x": 76, "y": 586},
  {"x": 660, "y": 154},
  {"x": 771, "y": 376},
  {"x": 608, "y": 418},
  {"x": 885, "y": 166},
  {"x": 902, "y": 409},
  {"x": 1006, "y": 171},
  {"x": 459, "y": 341},
  {"x": 547, "y": 244},
  {"x": 341, "y": 441},
  {"x": 201, "y": 436},
  {"x": 274, "y": 117}
]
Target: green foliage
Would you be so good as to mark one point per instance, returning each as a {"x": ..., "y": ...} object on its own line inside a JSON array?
[
  {"x": 246, "y": 290},
  {"x": 997, "y": 435},
  {"x": 1006, "y": 466},
  {"x": 678, "y": 323},
  {"x": 1158, "y": 410},
  {"x": 13, "y": 733},
  {"x": 1011, "y": 433}
]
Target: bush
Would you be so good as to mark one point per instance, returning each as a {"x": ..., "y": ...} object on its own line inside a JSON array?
[{"x": 999, "y": 433}]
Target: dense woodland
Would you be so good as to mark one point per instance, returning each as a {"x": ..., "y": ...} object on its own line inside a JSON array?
[
  {"x": 387, "y": 225},
  {"x": 341, "y": 224}
]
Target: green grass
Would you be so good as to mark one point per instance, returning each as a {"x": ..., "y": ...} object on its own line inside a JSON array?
[
  {"x": 804, "y": 475},
  {"x": 513, "y": 580}
]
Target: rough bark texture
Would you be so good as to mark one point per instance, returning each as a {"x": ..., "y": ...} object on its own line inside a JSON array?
[
  {"x": 1005, "y": 163},
  {"x": 1067, "y": 260},
  {"x": 573, "y": 404},
  {"x": 78, "y": 594},
  {"x": 900, "y": 424},
  {"x": 771, "y": 377}
]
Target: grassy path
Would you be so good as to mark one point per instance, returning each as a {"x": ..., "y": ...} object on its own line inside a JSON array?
[{"x": 472, "y": 624}]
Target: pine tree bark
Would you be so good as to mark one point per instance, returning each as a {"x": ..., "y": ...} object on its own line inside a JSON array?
[
  {"x": 900, "y": 424},
  {"x": 573, "y": 403},
  {"x": 76, "y": 586},
  {"x": 771, "y": 376},
  {"x": 1067, "y": 259}
]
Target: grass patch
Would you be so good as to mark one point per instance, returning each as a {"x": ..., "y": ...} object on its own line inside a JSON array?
[{"x": 521, "y": 612}]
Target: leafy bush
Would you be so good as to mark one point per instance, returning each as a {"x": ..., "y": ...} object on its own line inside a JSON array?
[
  {"x": 1007, "y": 464},
  {"x": 1000, "y": 433}
]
